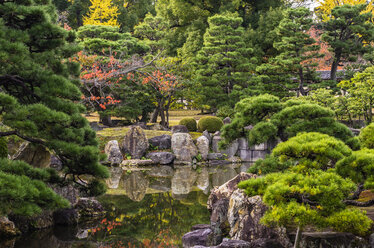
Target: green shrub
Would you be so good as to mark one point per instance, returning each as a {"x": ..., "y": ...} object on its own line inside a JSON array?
[
  {"x": 225, "y": 111},
  {"x": 367, "y": 136},
  {"x": 190, "y": 123},
  {"x": 3, "y": 148},
  {"x": 210, "y": 123}
]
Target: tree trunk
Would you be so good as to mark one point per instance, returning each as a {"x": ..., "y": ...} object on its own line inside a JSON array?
[
  {"x": 162, "y": 115},
  {"x": 334, "y": 66},
  {"x": 106, "y": 120},
  {"x": 301, "y": 83},
  {"x": 155, "y": 115},
  {"x": 297, "y": 238}
]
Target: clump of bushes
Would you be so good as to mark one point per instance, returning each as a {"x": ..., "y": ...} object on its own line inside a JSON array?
[
  {"x": 367, "y": 136},
  {"x": 225, "y": 111},
  {"x": 190, "y": 123},
  {"x": 210, "y": 123},
  {"x": 3, "y": 148}
]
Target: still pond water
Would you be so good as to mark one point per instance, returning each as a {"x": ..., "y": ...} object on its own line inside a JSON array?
[{"x": 146, "y": 207}]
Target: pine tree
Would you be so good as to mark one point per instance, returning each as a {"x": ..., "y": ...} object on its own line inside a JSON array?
[
  {"x": 102, "y": 12},
  {"x": 39, "y": 92},
  {"x": 292, "y": 69},
  {"x": 349, "y": 33},
  {"x": 223, "y": 67}
]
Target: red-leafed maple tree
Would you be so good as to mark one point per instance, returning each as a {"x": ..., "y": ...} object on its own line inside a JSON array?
[{"x": 101, "y": 76}]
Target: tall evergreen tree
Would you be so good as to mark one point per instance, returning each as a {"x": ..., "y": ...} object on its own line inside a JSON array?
[
  {"x": 293, "y": 68},
  {"x": 223, "y": 67},
  {"x": 349, "y": 32},
  {"x": 39, "y": 91}
]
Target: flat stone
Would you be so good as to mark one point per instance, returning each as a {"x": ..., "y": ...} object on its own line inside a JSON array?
[
  {"x": 200, "y": 226},
  {"x": 161, "y": 157},
  {"x": 137, "y": 162}
]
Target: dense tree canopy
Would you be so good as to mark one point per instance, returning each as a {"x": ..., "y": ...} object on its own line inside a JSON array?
[{"x": 39, "y": 91}]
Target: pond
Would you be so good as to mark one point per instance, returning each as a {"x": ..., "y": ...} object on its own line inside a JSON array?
[{"x": 146, "y": 207}]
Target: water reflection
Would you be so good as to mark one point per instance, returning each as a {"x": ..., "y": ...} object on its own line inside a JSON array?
[
  {"x": 136, "y": 182},
  {"x": 147, "y": 207}
]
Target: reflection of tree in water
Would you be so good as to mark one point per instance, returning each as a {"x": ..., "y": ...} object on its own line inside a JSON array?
[{"x": 158, "y": 218}]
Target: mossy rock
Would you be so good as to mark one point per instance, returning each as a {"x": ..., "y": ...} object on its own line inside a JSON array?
[
  {"x": 190, "y": 123},
  {"x": 210, "y": 123}
]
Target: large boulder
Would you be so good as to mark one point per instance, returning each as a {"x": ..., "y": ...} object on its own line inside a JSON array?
[
  {"x": 203, "y": 237},
  {"x": 26, "y": 224},
  {"x": 239, "y": 215},
  {"x": 161, "y": 157},
  {"x": 7, "y": 228},
  {"x": 35, "y": 155},
  {"x": 226, "y": 190},
  {"x": 162, "y": 142},
  {"x": 69, "y": 192},
  {"x": 113, "y": 152},
  {"x": 135, "y": 142},
  {"x": 179, "y": 129},
  {"x": 183, "y": 147},
  {"x": 244, "y": 214},
  {"x": 202, "y": 144}
]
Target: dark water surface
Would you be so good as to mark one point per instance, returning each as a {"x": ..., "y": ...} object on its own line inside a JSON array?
[{"x": 146, "y": 207}]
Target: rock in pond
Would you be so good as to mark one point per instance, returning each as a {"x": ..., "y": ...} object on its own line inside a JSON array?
[
  {"x": 7, "y": 228},
  {"x": 183, "y": 147},
  {"x": 179, "y": 129},
  {"x": 203, "y": 237},
  {"x": 162, "y": 142},
  {"x": 89, "y": 207},
  {"x": 202, "y": 144},
  {"x": 183, "y": 180},
  {"x": 161, "y": 157},
  {"x": 66, "y": 217},
  {"x": 135, "y": 142},
  {"x": 113, "y": 152}
]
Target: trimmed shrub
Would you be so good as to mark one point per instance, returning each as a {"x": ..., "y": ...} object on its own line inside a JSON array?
[
  {"x": 367, "y": 136},
  {"x": 190, "y": 123},
  {"x": 210, "y": 123},
  {"x": 3, "y": 148},
  {"x": 225, "y": 111}
]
